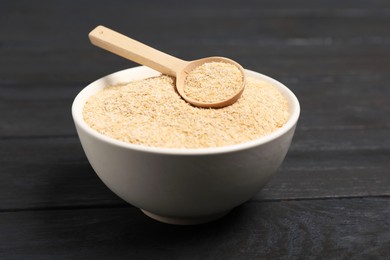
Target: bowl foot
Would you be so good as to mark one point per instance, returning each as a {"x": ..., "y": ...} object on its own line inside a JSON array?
[{"x": 185, "y": 220}]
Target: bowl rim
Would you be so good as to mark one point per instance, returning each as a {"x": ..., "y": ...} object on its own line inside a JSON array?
[{"x": 93, "y": 87}]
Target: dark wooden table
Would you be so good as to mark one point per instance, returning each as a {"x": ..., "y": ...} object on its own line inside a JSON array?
[{"x": 331, "y": 197}]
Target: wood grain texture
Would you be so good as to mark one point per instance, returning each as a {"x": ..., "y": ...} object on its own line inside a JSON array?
[
  {"x": 349, "y": 103},
  {"x": 326, "y": 229},
  {"x": 330, "y": 198},
  {"x": 293, "y": 37},
  {"x": 37, "y": 167}
]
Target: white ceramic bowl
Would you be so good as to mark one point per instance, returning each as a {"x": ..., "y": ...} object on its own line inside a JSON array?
[{"x": 183, "y": 186}]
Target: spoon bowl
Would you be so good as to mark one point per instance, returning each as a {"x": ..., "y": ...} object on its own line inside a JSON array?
[
  {"x": 182, "y": 75},
  {"x": 128, "y": 48}
]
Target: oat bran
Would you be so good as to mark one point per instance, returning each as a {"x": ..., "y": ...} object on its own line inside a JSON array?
[
  {"x": 149, "y": 112},
  {"x": 213, "y": 81}
]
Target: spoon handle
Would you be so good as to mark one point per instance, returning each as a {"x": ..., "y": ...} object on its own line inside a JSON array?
[{"x": 128, "y": 48}]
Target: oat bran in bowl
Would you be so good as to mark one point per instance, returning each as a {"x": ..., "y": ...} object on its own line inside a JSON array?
[{"x": 178, "y": 163}]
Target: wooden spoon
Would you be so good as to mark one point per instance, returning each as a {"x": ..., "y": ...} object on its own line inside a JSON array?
[{"x": 128, "y": 48}]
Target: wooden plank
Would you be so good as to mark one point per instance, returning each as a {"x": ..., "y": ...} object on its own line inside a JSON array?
[
  {"x": 53, "y": 172},
  {"x": 334, "y": 103},
  {"x": 275, "y": 57},
  {"x": 326, "y": 175},
  {"x": 36, "y": 111},
  {"x": 263, "y": 36},
  {"x": 330, "y": 229},
  {"x": 47, "y": 173}
]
